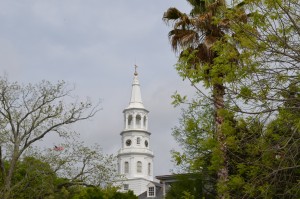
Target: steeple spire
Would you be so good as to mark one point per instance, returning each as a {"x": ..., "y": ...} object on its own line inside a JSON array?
[
  {"x": 136, "y": 97},
  {"x": 135, "y": 72}
]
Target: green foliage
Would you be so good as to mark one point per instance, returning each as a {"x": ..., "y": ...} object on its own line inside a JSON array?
[
  {"x": 178, "y": 99},
  {"x": 33, "y": 179},
  {"x": 98, "y": 193},
  {"x": 268, "y": 46},
  {"x": 263, "y": 157},
  {"x": 89, "y": 193},
  {"x": 195, "y": 136},
  {"x": 191, "y": 186},
  {"x": 264, "y": 163},
  {"x": 250, "y": 122}
]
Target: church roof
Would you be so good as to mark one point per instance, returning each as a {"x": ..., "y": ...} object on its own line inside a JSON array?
[
  {"x": 158, "y": 192},
  {"x": 136, "y": 97}
]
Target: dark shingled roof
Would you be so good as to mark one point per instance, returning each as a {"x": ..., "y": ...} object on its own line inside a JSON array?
[{"x": 158, "y": 189}]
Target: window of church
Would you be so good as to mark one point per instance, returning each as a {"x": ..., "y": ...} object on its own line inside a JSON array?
[
  {"x": 138, "y": 140},
  {"x": 149, "y": 168},
  {"x": 138, "y": 121},
  {"x": 129, "y": 121},
  {"x": 151, "y": 191},
  {"x": 126, "y": 187},
  {"x": 139, "y": 167},
  {"x": 126, "y": 167}
]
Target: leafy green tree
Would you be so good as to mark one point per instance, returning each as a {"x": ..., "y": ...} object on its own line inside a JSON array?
[
  {"x": 196, "y": 35},
  {"x": 99, "y": 193},
  {"x": 255, "y": 60},
  {"x": 190, "y": 186},
  {"x": 269, "y": 46},
  {"x": 33, "y": 179},
  {"x": 263, "y": 157},
  {"x": 29, "y": 114},
  {"x": 80, "y": 164},
  {"x": 266, "y": 163},
  {"x": 195, "y": 135}
]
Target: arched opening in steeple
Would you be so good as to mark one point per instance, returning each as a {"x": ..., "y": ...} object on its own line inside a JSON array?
[
  {"x": 129, "y": 121},
  {"x": 126, "y": 167},
  {"x": 138, "y": 120},
  {"x": 145, "y": 122},
  {"x": 139, "y": 167},
  {"x": 149, "y": 168}
]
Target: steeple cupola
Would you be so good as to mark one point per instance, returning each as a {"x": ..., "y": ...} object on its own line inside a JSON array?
[{"x": 136, "y": 116}]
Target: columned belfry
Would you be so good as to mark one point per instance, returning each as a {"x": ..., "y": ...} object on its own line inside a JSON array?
[{"x": 135, "y": 159}]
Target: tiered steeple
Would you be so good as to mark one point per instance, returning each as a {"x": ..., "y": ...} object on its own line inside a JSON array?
[{"x": 135, "y": 159}]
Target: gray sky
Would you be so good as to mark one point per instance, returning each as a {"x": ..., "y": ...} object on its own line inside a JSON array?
[{"x": 94, "y": 44}]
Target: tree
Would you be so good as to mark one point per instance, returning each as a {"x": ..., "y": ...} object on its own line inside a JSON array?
[
  {"x": 81, "y": 165},
  {"x": 263, "y": 157},
  {"x": 266, "y": 163},
  {"x": 269, "y": 50},
  {"x": 198, "y": 36},
  {"x": 32, "y": 179},
  {"x": 190, "y": 186},
  {"x": 195, "y": 136},
  {"x": 36, "y": 179},
  {"x": 30, "y": 113},
  {"x": 255, "y": 60},
  {"x": 269, "y": 46},
  {"x": 98, "y": 193}
]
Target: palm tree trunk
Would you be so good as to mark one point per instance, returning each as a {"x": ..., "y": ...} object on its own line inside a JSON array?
[{"x": 218, "y": 95}]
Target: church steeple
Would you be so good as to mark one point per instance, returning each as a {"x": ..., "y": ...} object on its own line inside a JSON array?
[
  {"x": 135, "y": 158},
  {"x": 136, "y": 97}
]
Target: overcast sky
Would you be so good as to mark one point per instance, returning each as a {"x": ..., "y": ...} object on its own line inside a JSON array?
[{"x": 94, "y": 45}]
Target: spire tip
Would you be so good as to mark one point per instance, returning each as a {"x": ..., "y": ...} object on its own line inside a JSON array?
[{"x": 135, "y": 71}]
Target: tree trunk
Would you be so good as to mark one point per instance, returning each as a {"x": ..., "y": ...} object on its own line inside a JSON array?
[
  {"x": 8, "y": 178},
  {"x": 218, "y": 96}
]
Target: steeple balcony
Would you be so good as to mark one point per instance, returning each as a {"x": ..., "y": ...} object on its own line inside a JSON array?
[{"x": 131, "y": 151}]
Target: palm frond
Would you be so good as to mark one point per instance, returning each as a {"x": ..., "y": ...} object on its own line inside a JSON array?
[
  {"x": 181, "y": 39},
  {"x": 194, "y": 62},
  {"x": 204, "y": 21},
  {"x": 209, "y": 42},
  {"x": 198, "y": 6},
  {"x": 224, "y": 23},
  {"x": 172, "y": 14},
  {"x": 202, "y": 54}
]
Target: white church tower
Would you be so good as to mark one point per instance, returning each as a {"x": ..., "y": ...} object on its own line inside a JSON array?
[{"x": 135, "y": 159}]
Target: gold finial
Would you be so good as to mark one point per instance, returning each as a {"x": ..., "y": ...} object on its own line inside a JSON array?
[{"x": 135, "y": 72}]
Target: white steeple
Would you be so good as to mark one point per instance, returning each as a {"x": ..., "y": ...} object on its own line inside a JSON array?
[
  {"x": 135, "y": 159},
  {"x": 136, "y": 97}
]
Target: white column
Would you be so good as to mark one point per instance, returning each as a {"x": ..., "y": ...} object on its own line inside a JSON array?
[
  {"x": 146, "y": 125},
  {"x": 134, "y": 118},
  {"x": 126, "y": 121}
]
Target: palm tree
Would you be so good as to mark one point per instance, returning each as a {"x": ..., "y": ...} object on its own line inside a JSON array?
[{"x": 196, "y": 33}]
